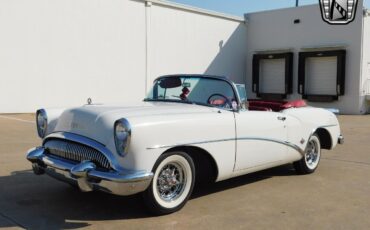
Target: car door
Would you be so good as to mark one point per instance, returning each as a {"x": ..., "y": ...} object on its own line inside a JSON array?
[{"x": 261, "y": 138}]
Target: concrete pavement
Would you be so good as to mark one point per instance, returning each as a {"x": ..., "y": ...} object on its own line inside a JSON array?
[{"x": 337, "y": 196}]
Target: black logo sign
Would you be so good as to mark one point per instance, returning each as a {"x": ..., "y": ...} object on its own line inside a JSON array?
[{"x": 338, "y": 12}]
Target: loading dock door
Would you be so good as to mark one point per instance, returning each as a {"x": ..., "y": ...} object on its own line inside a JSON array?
[
  {"x": 272, "y": 76},
  {"x": 321, "y": 75},
  {"x": 367, "y": 83}
]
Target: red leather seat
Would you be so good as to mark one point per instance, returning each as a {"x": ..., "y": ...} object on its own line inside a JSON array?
[
  {"x": 269, "y": 105},
  {"x": 294, "y": 104},
  {"x": 275, "y": 106},
  {"x": 258, "y": 108}
]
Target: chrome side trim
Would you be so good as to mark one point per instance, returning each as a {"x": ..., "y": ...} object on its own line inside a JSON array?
[
  {"x": 89, "y": 142},
  {"x": 289, "y": 144},
  {"x": 190, "y": 143}
]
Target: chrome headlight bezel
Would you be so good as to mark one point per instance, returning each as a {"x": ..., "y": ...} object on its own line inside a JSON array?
[
  {"x": 122, "y": 136},
  {"x": 41, "y": 122}
]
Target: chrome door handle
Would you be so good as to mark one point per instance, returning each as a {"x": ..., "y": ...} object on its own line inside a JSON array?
[{"x": 281, "y": 118}]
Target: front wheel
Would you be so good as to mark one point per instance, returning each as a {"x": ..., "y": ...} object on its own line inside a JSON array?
[
  {"x": 310, "y": 161},
  {"x": 172, "y": 184}
]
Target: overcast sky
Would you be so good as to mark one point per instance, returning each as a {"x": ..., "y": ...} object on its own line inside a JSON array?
[{"x": 239, "y": 7}]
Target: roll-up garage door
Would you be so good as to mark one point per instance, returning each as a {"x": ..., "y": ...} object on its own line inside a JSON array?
[
  {"x": 321, "y": 75},
  {"x": 272, "y": 76}
]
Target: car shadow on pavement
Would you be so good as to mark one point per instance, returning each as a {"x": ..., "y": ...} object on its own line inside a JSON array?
[
  {"x": 31, "y": 201},
  {"x": 207, "y": 189}
]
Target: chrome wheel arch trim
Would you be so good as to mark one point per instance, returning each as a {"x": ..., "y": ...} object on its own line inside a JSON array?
[
  {"x": 88, "y": 142},
  {"x": 321, "y": 127}
]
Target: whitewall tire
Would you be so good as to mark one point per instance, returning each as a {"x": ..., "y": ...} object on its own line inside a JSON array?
[
  {"x": 172, "y": 184},
  {"x": 311, "y": 159}
]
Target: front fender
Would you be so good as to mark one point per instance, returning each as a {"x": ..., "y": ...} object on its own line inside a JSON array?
[{"x": 302, "y": 123}]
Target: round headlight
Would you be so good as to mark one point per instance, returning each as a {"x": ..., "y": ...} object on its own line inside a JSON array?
[
  {"x": 122, "y": 136},
  {"x": 41, "y": 122}
]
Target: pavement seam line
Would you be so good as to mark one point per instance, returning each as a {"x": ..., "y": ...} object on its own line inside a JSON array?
[
  {"x": 348, "y": 161},
  {"x": 12, "y": 221},
  {"x": 17, "y": 119}
]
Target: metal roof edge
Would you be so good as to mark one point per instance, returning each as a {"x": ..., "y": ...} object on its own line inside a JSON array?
[
  {"x": 325, "y": 47},
  {"x": 274, "y": 51},
  {"x": 192, "y": 9}
]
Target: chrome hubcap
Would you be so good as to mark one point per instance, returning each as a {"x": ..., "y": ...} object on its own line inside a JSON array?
[
  {"x": 171, "y": 181},
  {"x": 312, "y": 154}
]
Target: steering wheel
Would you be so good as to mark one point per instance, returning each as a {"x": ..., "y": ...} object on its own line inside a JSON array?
[{"x": 226, "y": 102}]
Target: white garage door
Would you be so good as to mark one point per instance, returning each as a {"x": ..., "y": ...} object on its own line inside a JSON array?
[
  {"x": 272, "y": 76},
  {"x": 321, "y": 76}
]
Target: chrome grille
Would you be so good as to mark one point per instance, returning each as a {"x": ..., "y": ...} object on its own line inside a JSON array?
[{"x": 76, "y": 152}]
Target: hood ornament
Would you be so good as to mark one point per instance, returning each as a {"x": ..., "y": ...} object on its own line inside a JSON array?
[{"x": 89, "y": 101}]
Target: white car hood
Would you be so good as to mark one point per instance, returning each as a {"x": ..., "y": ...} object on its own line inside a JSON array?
[{"x": 97, "y": 121}]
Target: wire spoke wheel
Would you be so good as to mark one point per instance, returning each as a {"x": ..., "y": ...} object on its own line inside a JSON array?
[
  {"x": 312, "y": 154},
  {"x": 310, "y": 161},
  {"x": 173, "y": 182},
  {"x": 170, "y": 182}
]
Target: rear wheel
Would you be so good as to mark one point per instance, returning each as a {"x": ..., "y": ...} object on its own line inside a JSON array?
[
  {"x": 172, "y": 184},
  {"x": 311, "y": 159}
]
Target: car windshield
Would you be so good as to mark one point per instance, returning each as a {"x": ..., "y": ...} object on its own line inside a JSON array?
[{"x": 194, "y": 90}]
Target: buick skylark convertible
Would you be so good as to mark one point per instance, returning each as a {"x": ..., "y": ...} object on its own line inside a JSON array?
[{"x": 191, "y": 129}]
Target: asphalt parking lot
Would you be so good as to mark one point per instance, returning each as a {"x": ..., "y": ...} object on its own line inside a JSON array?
[{"x": 337, "y": 196}]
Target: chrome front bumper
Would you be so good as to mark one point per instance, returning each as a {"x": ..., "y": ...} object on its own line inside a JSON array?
[{"x": 87, "y": 176}]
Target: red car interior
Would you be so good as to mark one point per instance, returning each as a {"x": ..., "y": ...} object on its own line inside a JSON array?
[{"x": 276, "y": 106}]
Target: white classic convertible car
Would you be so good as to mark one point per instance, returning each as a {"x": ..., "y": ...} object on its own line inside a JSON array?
[{"x": 190, "y": 128}]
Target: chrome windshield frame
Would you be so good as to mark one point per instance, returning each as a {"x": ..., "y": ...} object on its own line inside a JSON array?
[{"x": 219, "y": 78}]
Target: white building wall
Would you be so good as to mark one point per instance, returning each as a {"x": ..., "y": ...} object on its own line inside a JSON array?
[
  {"x": 184, "y": 42},
  {"x": 365, "y": 83},
  {"x": 58, "y": 53},
  {"x": 274, "y": 30}
]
